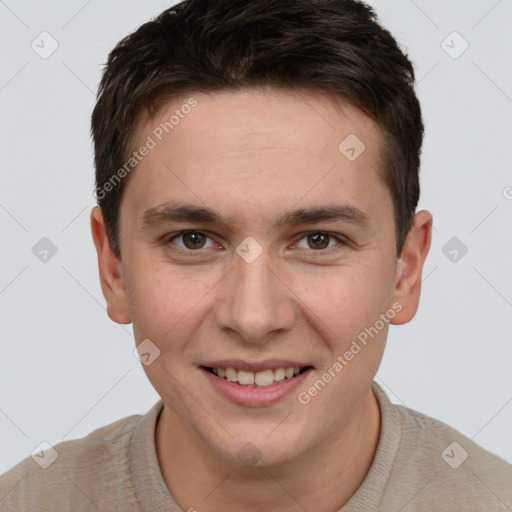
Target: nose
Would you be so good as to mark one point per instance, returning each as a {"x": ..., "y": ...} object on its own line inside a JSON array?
[{"x": 254, "y": 301}]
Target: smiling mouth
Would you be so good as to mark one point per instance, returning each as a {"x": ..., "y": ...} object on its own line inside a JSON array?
[{"x": 261, "y": 379}]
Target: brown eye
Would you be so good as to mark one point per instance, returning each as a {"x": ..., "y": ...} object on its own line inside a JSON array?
[
  {"x": 193, "y": 240},
  {"x": 318, "y": 241},
  {"x": 190, "y": 240}
]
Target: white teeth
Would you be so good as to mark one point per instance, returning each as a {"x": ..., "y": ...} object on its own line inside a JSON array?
[
  {"x": 231, "y": 374},
  {"x": 245, "y": 378},
  {"x": 263, "y": 378},
  {"x": 279, "y": 374}
]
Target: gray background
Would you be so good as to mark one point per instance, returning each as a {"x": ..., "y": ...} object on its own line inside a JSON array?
[{"x": 66, "y": 369}]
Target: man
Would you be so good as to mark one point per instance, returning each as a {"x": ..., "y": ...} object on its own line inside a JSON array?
[{"x": 257, "y": 181}]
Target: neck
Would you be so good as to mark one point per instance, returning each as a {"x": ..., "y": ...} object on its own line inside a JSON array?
[{"x": 322, "y": 479}]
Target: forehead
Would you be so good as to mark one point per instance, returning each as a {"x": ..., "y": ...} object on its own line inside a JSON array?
[
  {"x": 270, "y": 147},
  {"x": 259, "y": 119}
]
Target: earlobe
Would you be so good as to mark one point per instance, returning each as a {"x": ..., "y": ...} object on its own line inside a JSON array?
[
  {"x": 111, "y": 278},
  {"x": 410, "y": 267}
]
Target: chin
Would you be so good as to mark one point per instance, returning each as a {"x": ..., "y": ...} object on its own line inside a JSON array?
[{"x": 260, "y": 449}]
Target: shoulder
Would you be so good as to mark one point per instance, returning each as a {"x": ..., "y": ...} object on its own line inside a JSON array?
[
  {"x": 439, "y": 468},
  {"x": 81, "y": 472}
]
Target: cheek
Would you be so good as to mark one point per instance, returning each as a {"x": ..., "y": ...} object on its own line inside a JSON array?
[
  {"x": 165, "y": 301},
  {"x": 346, "y": 299}
]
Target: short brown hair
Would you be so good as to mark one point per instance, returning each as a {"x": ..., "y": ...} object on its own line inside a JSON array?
[{"x": 335, "y": 47}]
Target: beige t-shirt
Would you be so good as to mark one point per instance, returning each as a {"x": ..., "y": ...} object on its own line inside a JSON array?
[{"x": 421, "y": 464}]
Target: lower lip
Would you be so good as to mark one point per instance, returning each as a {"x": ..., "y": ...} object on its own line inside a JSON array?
[{"x": 255, "y": 397}]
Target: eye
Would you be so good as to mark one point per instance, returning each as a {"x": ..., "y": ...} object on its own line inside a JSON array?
[
  {"x": 191, "y": 240},
  {"x": 319, "y": 240},
  {"x": 194, "y": 241}
]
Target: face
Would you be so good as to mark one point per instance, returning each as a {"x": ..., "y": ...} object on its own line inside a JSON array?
[{"x": 258, "y": 257}]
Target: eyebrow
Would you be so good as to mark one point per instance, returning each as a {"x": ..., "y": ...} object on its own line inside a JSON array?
[{"x": 176, "y": 212}]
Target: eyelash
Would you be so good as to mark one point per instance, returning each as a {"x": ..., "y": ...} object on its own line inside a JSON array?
[{"x": 341, "y": 241}]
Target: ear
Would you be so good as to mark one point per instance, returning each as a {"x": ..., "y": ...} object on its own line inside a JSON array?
[
  {"x": 410, "y": 266},
  {"x": 111, "y": 278}
]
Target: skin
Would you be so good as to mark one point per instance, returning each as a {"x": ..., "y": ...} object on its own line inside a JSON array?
[{"x": 253, "y": 155}]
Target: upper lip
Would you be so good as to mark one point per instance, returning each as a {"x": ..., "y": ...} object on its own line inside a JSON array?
[{"x": 254, "y": 366}]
